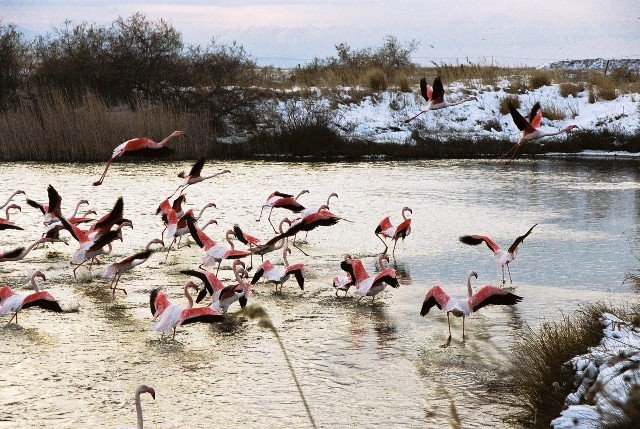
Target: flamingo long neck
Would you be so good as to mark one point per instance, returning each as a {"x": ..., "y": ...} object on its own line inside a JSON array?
[
  {"x": 282, "y": 222},
  {"x": 204, "y": 208},
  {"x": 34, "y": 284},
  {"x": 188, "y": 295},
  {"x": 154, "y": 241},
  {"x": 6, "y": 213},
  {"x": 469, "y": 290},
  {"x": 329, "y": 199},
  {"x": 555, "y": 133},
  {"x": 404, "y": 216},
  {"x": 9, "y": 199},
  {"x": 228, "y": 237},
  {"x": 75, "y": 212},
  {"x": 461, "y": 101},
  {"x": 29, "y": 249},
  {"x": 139, "y": 410},
  {"x": 298, "y": 196},
  {"x": 165, "y": 140},
  {"x": 284, "y": 256}
]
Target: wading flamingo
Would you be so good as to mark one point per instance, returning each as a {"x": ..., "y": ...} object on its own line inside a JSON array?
[
  {"x": 530, "y": 127},
  {"x": 21, "y": 252},
  {"x": 371, "y": 286},
  {"x": 487, "y": 295},
  {"x": 262, "y": 249},
  {"x": 212, "y": 284},
  {"x": 285, "y": 201},
  {"x": 13, "y": 302},
  {"x": 385, "y": 229},
  {"x": 501, "y": 256},
  {"x": 239, "y": 292},
  {"x": 136, "y": 144},
  {"x": 169, "y": 316},
  {"x": 118, "y": 268},
  {"x": 11, "y": 197},
  {"x": 194, "y": 175},
  {"x": 139, "y": 391},
  {"x": 278, "y": 275},
  {"x": 435, "y": 97},
  {"x": 344, "y": 282},
  {"x": 5, "y": 223}
]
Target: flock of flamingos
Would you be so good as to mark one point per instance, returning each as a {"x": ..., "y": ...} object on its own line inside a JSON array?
[{"x": 95, "y": 238}]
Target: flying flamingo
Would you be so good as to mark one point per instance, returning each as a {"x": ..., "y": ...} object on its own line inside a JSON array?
[
  {"x": 385, "y": 229},
  {"x": 310, "y": 210},
  {"x": 194, "y": 175},
  {"x": 435, "y": 97},
  {"x": 320, "y": 218},
  {"x": 285, "y": 201},
  {"x": 139, "y": 391},
  {"x": 118, "y": 268},
  {"x": 169, "y": 316},
  {"x": 278, "y": 275},
  {"x": 212, "y": 284},
  {"x": 5, "y": 223},
  {"x": 487, "y": 295},
  {"x": 21, "y": 252},
  {"x": 11, "y": 198},
  {"x": 256, "y": 247},
  {"x": 136, "y": 144},
  {"x": 52, "y": 210},
  {"x": 13, "y": 302},
  {"x": 530, "y": 127},
  {"x": 344, "y": 282},
  {"x": 501, "y": 256}
]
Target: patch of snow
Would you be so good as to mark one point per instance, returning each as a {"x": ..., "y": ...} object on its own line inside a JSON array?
[{"x": 605, "y": 377}]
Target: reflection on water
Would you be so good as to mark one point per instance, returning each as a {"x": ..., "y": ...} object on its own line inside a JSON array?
[{"x": 359, "y": 364}]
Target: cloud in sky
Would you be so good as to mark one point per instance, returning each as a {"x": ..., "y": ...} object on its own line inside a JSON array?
[{"x": 288, "y": 32}]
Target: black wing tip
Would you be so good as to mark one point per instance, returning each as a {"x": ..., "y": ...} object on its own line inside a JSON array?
[
  {"x": 257, "y": 276},
  {"x": 201, "y": 295},
  {"x": 472, "y": 241},
  {"x": 205, "y": 318},
  {"x": 242, "y": 301},
  {"x": 152, "y": 300},
  {"x": 12, "y": 253}
]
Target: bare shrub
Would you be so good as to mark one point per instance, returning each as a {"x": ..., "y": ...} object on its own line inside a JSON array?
[
  {"x": 14, "y": 62},
  {"x": 554, "y": 113},
  {"x": 376, "y": 79},
  {"x": 570, "y": 88},
  {"x": 403, "y": 82},
  {"x": 539, "y": 78},
  {"x": 509, "y": 99}
]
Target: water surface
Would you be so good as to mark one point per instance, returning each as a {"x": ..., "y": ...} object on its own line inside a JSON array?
[{"x": 359, "y": 365}]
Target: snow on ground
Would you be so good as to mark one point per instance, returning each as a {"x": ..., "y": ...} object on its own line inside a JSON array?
[
  {"x": 380, "y": 117},
  {"x": 605, "y": 376}
]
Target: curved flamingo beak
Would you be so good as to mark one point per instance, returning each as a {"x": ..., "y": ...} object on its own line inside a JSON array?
[{"x": 152, "y": 392}]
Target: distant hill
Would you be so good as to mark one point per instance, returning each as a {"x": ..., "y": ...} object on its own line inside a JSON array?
[{"x": 595, "y": 64}]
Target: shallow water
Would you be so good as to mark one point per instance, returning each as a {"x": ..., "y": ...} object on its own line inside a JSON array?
[{"x": 358, "y": 365}]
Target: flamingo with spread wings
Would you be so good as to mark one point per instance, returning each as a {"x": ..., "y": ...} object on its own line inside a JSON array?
[
  {"x": 13, "y": 302},
  {"x": 195, "y": 176},
  {"x": 530, "y": 127},
  {"x": 387, "y": 230},
  {"x": 501, "y": 256},
  {"x": 487, "y": 295},
  {"x": 434, "y": 95}
]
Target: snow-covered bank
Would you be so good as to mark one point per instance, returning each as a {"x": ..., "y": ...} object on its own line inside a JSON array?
[
  {"x": 607, "y": 378},
  {"x": 380, "y": 117}
]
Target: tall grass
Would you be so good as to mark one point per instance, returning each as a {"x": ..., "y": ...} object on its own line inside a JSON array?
[{"x": 542, "y": 381}]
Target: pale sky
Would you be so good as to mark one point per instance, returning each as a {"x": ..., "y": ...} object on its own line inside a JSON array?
[{"x": 286, "y": 32}]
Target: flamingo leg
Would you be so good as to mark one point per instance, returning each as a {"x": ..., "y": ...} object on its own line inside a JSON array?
[
  {"x": 395, "y": 243},
  {"x": 174, "y": 333},
  {"x": 383, "y": 242},
  {"x": 104, "y": 173},
  {"x": 74, "y": 270},
  {"x": 261, "y": 211},
  {"x": 220, "y": 262},
  {"x": 503, "y": 281},
  {"x": 463, "y": 328},
  {"x": 509, "y": 271},
  {"x": 113, "y": 296},
  {"x": 305, "y": 253},
  {"x": 170, "y": 246},
  {"x": 448, "y": 343},
  {"x": 269, "y": 219},
  {"x": 14, "y": 315}
]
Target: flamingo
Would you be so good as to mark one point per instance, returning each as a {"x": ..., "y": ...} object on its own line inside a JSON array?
[
  {"x": 239, "y": 292},
  {"x": 501, "y": 256},
  {"x": 194, "y": 175},
  {"x": 435, "y": 97},
  {"x": 365, "y": 284},
  {"x": 11, "y": 198},
  {"x": 6, "y": 223},
  {"x": 118, "y": 268},
  {"x": 344, "y": 282},
  {"x": 106, "y": 222},
  {"x": 13, "y": 302},
  {"x": 487, "y": 295},
  {"x": 169, "y": 316},
  {"x": 255, "y": 245},
  {"x": 285, "y": 201},
  {"x": 278, "y": 275},
  {"x": 530, "y": 127},
  {"x": 310, "y": 210},
  {"x": 50, "y": 211},
  {"x": 385, "y": 229},
  {"x": 321, "y": 218},
  {"x": 136, "y": 144},
  {"x": 139, "y": 391},
  {"x": 21, "y": 252}
]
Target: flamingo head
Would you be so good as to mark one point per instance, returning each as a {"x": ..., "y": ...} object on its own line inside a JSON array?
[
  {"x": 237, "y": 265},
  {"x": 86, "y": 202},
  {"x": 178, "y": 134},
  {"x": 88, "y": 212},
  {"x": 14, "y": 206},
  {"x": 37, "y": 274},
  {"x": 568, "y": 128},
  {"x": 383, "y": 257},
  {"x": 20, "y": 192},
  {"x": 347, "y": 256},
  {"x": 473, "y": 273},
  {"x": 225, "y": 171},
  {"x": 181, "y": 174},
  {"x": 149, "y": 390}
]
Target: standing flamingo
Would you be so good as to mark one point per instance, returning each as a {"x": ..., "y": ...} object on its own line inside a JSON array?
[
  {"x": 139, "y": 391},
  {"x": 5, "y": 223},
  {"x": 371, "y": 286},
  {"x": 21, "y": 252},
  {"x": 285, "y": 201},
  {"x": 169, "y": 316},
  {"x": 385, "y": 229},
  {"x": 11, "y": 198},
  {"x": 118, "y": 268},
  {"x": 212, "y": 284},
  {"x": 487, "y": 295},
  {"x": 239, "y": 292},
  {"x": 501, "y": 256},
  {"x": 279, "y": 275},
  {"x": 136, "y": 144},
  {"x": 435, "y": 97},
  {"x": 530, "y": 127},
  {"x": 194, "y": 175},
  {"x": 13, "y": 302},
  {"x": 344, "y": 282}
]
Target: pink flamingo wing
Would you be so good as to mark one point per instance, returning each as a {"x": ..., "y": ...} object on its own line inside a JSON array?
[
  {"x": 492, "y": 295},
  {"x": 537, "y": 119}
]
